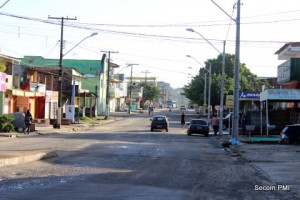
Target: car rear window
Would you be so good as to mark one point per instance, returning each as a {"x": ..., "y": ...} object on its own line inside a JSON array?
[
  {"x": 159, "y": 119},
  {"x": 200, "y": 122}
]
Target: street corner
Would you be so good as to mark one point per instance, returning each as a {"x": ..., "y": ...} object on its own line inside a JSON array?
[{"x": 16, "y": 158}]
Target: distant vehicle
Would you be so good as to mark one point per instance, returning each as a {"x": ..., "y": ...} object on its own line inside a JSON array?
[
  {"x": 171, "y": 104},
  {"x": 198, "y": 126},
  {"x": 159, "y": 122},
  {"x": 182, "y": 107},
  {"x": 290, "y": 134}
]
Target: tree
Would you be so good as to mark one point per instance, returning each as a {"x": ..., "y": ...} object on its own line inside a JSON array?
[
  {"x": 151, "y": 92},
  {"x": 195, "y": 89}
]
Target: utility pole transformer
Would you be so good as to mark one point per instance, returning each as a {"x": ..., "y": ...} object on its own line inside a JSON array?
[{"x": 59, "y": 110}]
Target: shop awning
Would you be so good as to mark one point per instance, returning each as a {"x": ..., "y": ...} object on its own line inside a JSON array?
[
  {"x": 24, "y": 93},
  {"x": 280, "y": 95}
]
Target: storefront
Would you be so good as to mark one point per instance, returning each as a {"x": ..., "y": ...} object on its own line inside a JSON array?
[{"x": 281, "y": 106}]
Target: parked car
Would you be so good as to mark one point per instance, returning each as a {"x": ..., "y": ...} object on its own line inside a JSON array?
[
  {"x": 159, "y": 122},
  {"x": 198, "y": 126},
  {"x": 182, "y": 107},
  {"x": 290, "y": 134}
]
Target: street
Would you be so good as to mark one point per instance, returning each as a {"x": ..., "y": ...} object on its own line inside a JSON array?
[{"x": 125, "y": 160}]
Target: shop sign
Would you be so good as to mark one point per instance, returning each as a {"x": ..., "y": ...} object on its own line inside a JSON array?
[
  {"x": 2, "y": 82},
  {"x": 249, "y": 95},
  {"x": 281, "y": 94}
]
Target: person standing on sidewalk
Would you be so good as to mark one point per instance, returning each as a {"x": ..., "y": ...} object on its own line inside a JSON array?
[
  {"x": 182, "y": 120},
  {"x": 28, "y": 119},
  {"x": 215, "y": 124}
]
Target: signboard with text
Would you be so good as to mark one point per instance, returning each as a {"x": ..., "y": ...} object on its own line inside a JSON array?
[
  {"x": 249, "y": 95},
  {"x": 280, "y": 94}
]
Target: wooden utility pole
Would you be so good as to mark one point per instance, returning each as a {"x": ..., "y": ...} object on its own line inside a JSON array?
[{"x": 59, "y": 111}]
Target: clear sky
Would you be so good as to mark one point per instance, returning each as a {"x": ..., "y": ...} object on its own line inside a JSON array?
[{"x": 151, "y": 33}]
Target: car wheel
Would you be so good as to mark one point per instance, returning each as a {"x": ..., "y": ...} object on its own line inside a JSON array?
[
  {"x": 224, "y": 127},
  {"x": 284, "y": 141},
  {"x": 20, "y": 129}
]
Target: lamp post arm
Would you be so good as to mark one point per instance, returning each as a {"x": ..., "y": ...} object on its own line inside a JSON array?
[
  {"x": 93, "y": 34},
  {"x": 223, "y": 11},
  {"x": 4, "y": 4},
  {"x": 208, "y": 41}
]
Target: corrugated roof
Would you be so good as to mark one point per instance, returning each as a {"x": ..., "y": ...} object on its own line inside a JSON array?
[{"x": 83, "y": 66}]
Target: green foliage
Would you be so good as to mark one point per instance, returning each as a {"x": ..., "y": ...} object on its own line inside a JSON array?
[
  {"x": 195, "y": 89},
  {"x": 86, "y": 119},
  {"x": 6, "y": 123},
  {"x": 151, "y": 91}
]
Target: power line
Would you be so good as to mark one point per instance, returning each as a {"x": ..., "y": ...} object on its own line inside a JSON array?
[{"x": 142, "y": 35}]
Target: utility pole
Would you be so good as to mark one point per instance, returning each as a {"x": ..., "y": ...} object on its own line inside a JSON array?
[
  {"x": 222, "y": 92},
  {"x": 209, "y": 91},
  {"x": 235, "y": 128},
  {"x": 107, "y": 84},
  {"x": 236, "y": 103},
  {"x": 59, "y": 111},
  {"x": 146, "y": 72},
  {"x": 129, "y": 109},
  {"x": 205, "y": 95}
]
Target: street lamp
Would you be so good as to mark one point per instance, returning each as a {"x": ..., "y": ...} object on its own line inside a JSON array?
[
  {"x": 222, "y": 78},
  {"x": 235, "y": 127},
  {"x": 93, "y": 34},
  {"x": 209, "y": 86}
]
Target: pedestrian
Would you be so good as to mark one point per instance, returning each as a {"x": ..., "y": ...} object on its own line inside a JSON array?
[
  {"x": 215, "y": 124},
  {"x": 244, "y": 122},
  {"x": 150, "y": 110},
  {"x": 28, "y": 119},
  {"x": 182, "y": 120}
]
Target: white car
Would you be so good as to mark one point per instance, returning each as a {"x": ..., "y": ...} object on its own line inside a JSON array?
[{"x": 182, "y": 107}]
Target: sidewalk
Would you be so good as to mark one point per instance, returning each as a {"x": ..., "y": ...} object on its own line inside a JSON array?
[{"x": 280, "y": 163}]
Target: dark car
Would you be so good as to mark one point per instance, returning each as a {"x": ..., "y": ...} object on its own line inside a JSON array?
[
  {"x": 198, "y": 126},
  {"x": 290, "y": 134},
  {"x": 159, "y": 122}
]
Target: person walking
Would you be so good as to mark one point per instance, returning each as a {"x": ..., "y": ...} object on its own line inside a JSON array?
[
  {"x": 28, "y": 119},
  {"x": 215, "y": 124},
  {"x": 182, "y": 120}
]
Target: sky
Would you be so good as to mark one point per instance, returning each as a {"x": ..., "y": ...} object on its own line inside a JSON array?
[{"x": 151, "y": 33}]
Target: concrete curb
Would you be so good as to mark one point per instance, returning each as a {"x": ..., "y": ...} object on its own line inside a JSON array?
[{"x": 9, "y": 159}]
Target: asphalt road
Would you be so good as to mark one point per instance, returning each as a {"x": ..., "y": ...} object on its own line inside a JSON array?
[{"x": 125, "y": 160}]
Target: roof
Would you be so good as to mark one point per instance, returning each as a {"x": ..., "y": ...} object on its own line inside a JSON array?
[
  {"x": 289, "y": 50},
  {"x": 83, "y": 66}
]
